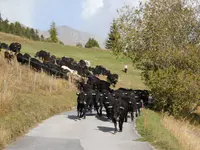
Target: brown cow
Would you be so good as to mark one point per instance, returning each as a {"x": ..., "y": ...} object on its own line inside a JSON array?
[{"x": 8, "y": 56}]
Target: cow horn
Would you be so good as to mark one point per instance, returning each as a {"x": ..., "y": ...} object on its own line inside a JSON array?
[{"x": 121, "y": 107}]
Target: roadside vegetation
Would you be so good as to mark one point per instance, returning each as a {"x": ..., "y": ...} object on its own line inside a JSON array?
[
  {"x": 27, "y": 98},
  {"x": 152, "y": 129},
  {"x": 162, "y": 40}
]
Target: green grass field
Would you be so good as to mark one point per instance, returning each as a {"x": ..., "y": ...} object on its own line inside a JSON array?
[{"x": 96, "y": 57}]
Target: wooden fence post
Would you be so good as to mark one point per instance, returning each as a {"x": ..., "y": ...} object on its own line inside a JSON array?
[
  {"x": 29, "y": 62},
  {"x": 20, "y": 75},
  {"x": 4, "y": 93},
  {"x": 145, "y": 119},
  {"x": 35, "y": 77},
  {"x": 50, "y": 88}
]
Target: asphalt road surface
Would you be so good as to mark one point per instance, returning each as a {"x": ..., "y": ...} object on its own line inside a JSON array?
[{"x": 67, "y": 132}]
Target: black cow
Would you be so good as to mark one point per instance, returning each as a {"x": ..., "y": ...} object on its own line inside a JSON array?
[
  {"x": 99, "y": 102},
  {"x": 20, "y": 58},
  {"x": 36, "y": 64},
  {"x": 120, "y": 110},
  {"x": 4, "y": 46},
  {"x": 113, "y": 79},
  {"x": 27, "y": 57},
  {"x": 42, "y": 54},
  {"x": 81, "y": 104},
  {"x": 15, "y": 47}
]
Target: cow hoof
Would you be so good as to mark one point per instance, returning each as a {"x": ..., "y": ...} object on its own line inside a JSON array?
[{"x": 120, "y": 130}]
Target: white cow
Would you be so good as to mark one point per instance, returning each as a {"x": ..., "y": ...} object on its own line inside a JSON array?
[
  {"x": 70, "y": 70},
  {"x": 88, "y": 63}
]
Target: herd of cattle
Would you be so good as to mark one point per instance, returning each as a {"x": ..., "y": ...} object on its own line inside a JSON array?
[{"x": 94, "y": 93}]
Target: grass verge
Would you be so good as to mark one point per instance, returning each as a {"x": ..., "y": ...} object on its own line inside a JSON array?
[
  {"x": 187, "y": 134},
  {"x": 23, "y": 104},
  {"x": 151, "y": 128}
]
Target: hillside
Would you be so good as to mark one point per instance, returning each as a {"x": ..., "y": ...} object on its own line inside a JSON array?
[
  {"x": 96, "y": 57},
  {"x": 70, "y": 36}
]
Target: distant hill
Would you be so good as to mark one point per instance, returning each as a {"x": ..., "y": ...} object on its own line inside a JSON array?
[{"x": 70, "y": 36}]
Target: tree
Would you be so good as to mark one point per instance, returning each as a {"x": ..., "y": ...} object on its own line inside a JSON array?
[
  {"x": 1, "y": 20},
  {"x": 162, "y": 37},
  {"x": 53, "y": 33},
  {"x": 113, "y": 37},
  {"x": 91, "y": 43}
]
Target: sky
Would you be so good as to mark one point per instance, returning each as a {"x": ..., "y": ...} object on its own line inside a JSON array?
[{"x": 92, "y": 16}]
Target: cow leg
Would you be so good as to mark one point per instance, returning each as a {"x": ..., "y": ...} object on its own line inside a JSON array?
[
  {"x": 84, "y": 112},
  {"x": 115, "y": 124},
  {"x": 126, "y": 117},
  {"x": 84, "y": 115},
  {"x": 132, "y": 116},
  {"x": 120, "y": 124},
  {"x": 107, "y": 113},
  {"x": 100, "y": 111},
  {"x": 139, "y": 111}
]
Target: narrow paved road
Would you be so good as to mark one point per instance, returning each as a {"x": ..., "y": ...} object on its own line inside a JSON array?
[{"x": 67, "y": 132}]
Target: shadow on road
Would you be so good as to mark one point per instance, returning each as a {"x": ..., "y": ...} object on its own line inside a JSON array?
[
  {"x": 90, "y": 114},
  {"x": 102, "y": 118},
  {"x": 73, "y": 117},
  {"x": 106, "y": 129}
]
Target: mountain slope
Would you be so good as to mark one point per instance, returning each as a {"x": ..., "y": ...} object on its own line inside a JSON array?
[{"x": 70, "y": 36}]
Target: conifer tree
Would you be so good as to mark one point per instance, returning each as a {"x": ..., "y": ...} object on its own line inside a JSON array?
[{"x": 53, "y": 33}]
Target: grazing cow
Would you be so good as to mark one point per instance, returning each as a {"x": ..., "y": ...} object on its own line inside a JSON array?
[
  {"x": 20, "y": 58},
  {"x": 55, "y": 70},
  {"x": 49, "y": 59},
  {"x": 27, "y": 57},
  {"x": 113, "y": 79},
  {"x": 100, "y": 70},
  {"x": 4, "y": 46},
  {"x": 36, "y": 64},
  {"x": 42, "y": 54}
]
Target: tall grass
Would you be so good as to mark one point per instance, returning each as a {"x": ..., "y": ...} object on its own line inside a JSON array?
[
  {"x": 187, "y": 134},
  {"x": 27, "y": 98},
  {"x": 150, "y": 126}
]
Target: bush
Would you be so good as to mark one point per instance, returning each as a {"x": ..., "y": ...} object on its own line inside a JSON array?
[
  {"x": 91, "y": 43},
  {"x": 79, "y": 45}
]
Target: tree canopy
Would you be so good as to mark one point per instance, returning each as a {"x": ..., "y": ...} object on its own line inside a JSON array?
[
  {"x": 17, "y": 29},
  {"x": 53, "y": 33},
  {"x": 91, "y": 43},
  {"x": 113, "y": 37}
]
